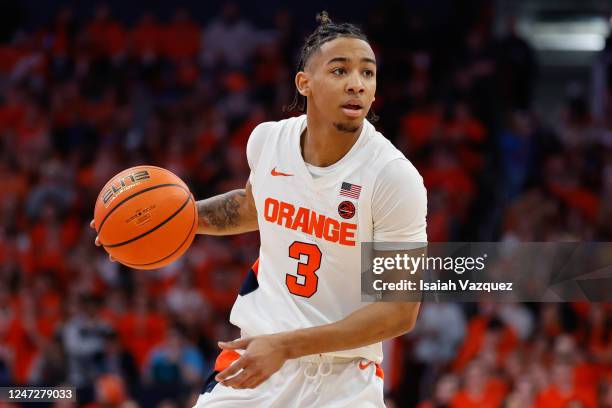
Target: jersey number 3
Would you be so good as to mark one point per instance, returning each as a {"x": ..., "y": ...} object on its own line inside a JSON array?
[{"x": 308, "y": 270}]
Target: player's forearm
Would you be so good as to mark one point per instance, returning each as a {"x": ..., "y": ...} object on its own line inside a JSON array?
[
  {"x": 368, "y": 325},
  {"x": 227, "y": 214}
]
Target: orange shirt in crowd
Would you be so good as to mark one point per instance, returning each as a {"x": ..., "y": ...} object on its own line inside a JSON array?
[
  {"x": 140, "y": 333},
  {"x": 471, "y": 133},
  {"x": 579, "y": 198},
  {"x": 146, "y": 37},
  {"x": 9, "y": 55},
  {"x": 108, "y": 36},
  {"x": 11, "y": 113},
  {"x": 181, "y": 40},
  {"x": 552, "y": 397},
  {"x": 492, "y": 396},
  {"x": 452, "y": 179},
  {"x": 25, "y": 351},
  {"x": 438, "y": 226},
  {"x": 419, "y": 126},
  {"x": 12, "y": 185},
  {"x": 477, "y": 328},
  {"x": 455, "y": 182}
]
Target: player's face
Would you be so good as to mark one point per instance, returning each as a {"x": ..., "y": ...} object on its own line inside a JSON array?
[{"x": 340, "y": 82}]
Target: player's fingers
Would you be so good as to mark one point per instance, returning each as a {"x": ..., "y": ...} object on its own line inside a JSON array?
[
  {"x": 254, "y": 381},
  {"x": 92, "y": 224},
  {"x": 231, "y": 370},
  {"x": 235, "y": 344},
  {"x": 250, "y": 383},
  {"x": 110, "y": 258},
  {"x": 239, "y": 380},
  {"x": 97, "y": 241}
]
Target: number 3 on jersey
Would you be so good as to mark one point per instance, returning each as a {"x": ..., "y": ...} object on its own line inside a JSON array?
[{"x": 308, "y": 269}]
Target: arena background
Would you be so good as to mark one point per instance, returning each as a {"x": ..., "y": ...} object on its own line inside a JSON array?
[{"x": 504, "y": 107}]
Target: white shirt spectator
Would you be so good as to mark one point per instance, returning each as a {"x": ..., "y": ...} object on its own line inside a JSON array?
[
  {"x": 439, "y": 330},
  {"x": 229, "y": 42}
]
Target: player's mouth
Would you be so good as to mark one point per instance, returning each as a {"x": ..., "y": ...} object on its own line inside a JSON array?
[{"x": 353, "y": 109}]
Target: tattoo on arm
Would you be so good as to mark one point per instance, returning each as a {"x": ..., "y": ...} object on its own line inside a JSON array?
[{"x": 221, "y": 212}]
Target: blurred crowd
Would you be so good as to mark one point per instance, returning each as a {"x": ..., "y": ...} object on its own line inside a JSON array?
[{"x": 83, "y": 99}]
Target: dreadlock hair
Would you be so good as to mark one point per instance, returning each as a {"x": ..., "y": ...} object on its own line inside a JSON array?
[{"x": 326, "y": 31}]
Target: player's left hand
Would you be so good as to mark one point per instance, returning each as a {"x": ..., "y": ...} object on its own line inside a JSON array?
[{"x": 263, "y": 356}]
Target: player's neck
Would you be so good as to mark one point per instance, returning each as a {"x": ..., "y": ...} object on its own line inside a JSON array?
[{"x": 323, "y": 145}]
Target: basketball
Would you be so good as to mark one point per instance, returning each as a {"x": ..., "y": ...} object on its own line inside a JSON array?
[{"x": 145, "y": 217}]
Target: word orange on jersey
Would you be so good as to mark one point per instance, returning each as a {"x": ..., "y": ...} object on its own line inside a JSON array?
[{"x": 309, "y": 222}]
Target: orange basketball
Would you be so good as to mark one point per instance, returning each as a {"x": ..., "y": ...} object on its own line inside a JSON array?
[{"x": 145, "y": 217}]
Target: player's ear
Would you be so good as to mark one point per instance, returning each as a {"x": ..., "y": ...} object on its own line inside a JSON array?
[{"x": 302, "y": 83}]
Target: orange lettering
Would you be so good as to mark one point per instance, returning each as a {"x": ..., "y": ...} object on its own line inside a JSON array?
[
  {"x": 347, "y": 231},
  {"x": 315, "y": 226},
  {"x": 309, "y": 222},
  {"x": 271, "y": 204},
  {"x": 331, "y": 234},
  {"x": 301, "y": 219},
  {"x": 286, "y": 212}
]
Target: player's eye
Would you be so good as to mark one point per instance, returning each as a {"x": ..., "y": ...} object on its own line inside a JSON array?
[
  {"x": 339, "y": 71},
  {"x": 368, "y": 73}
]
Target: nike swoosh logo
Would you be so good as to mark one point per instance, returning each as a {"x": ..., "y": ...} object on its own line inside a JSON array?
[
  {"x": 278, "y": 173},
  {"x": 364, "y": 366}
]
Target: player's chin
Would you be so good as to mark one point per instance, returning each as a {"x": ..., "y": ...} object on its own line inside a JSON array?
[{"x": 348, "y": 126}]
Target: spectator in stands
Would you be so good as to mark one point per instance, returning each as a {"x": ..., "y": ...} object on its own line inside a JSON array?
[
  {"x": 175, "y": 361},
  {"x": 181, "y": 38},
  {"x": 185, "y": 299},
  {"x": 516, "y": 146},
  {"x": 479, "y": 388},
  {"x": 50, "y": 368},
  {"x": 439, "y": 331},
  {"x": 563, "y": 391},
  {"x": 605, "y": 396},
  {"x": 118, "y": 361},
  {"x": 444, "y": 392},
  {"x": 84, "y": 338},
  {"x": 5, "y": 365},
  {"x": 229, "y": 40},
  {"x": 522, "y": 394}
]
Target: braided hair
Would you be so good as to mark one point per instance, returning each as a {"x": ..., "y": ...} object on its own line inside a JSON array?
[{"x": 325, "y": 32}]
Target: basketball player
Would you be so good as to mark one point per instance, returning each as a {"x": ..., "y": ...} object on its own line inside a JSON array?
[{"x": 320, "y": 184}]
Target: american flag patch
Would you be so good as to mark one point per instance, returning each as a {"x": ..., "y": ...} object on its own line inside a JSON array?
[{"x": 350, "y": 190}]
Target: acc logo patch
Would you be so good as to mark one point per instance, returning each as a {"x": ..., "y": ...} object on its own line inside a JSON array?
[{"x": 346, "y": 209}]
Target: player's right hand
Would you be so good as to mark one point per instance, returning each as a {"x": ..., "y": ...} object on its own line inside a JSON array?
[{"x": 97, "y": 241}]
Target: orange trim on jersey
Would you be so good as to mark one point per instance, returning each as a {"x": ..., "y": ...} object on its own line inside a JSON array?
[
  {"x": 255, "y": 267},
  {"x": 379, "y": 371},
  {"x": 363, "y": 366},
  {"x": 225, "y": 359}
]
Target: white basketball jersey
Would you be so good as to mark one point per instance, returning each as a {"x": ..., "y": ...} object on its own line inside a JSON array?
[{"x": 309, "y": 271}]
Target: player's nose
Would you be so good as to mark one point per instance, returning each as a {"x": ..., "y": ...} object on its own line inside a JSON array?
[{"x": 355, "y": 83}]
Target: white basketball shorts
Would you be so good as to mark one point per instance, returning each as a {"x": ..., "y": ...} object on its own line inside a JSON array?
[{"x": 318, "y": 381}]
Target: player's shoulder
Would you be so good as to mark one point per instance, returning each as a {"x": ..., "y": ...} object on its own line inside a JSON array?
[
  {"x": 277, "y": 126},
  {"x": 269, "y": 134},
  {"x": 399, "y": 172}
]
